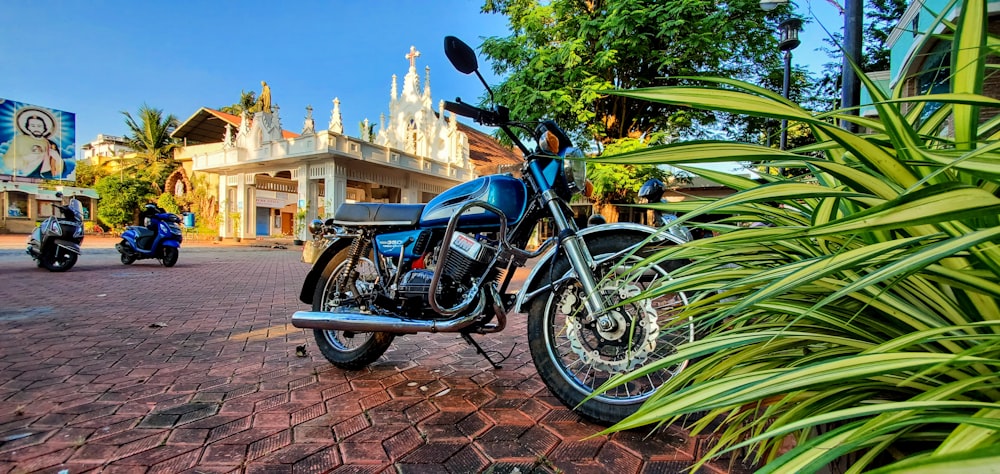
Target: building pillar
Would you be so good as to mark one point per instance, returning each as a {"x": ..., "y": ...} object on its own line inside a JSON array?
[
  {"x": 241, "y": 204},
  {"x": 251, "y": 210},
  {"x": 223, "y": 218},
  {"x": 307, "y": 197}
]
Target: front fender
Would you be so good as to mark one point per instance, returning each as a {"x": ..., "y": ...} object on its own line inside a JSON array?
[
  {"x": 308, "y": 286},
  {"x": 68, "y": 245},
  {"x": 539, "y": 274}
]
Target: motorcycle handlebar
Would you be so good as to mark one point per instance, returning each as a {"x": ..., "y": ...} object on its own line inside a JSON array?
[{"x": 463, "y": 109}]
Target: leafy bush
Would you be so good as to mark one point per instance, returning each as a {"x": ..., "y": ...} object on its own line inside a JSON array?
[
  {"x": 865, "y": 322},
  {"x": 120, "y": 198},
  {"x": 168, "y": 203}
]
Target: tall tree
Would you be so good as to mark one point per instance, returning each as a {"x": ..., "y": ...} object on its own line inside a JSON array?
[
  {"x": 149, "y": 137},
  {"x": 562, "y": 53}
]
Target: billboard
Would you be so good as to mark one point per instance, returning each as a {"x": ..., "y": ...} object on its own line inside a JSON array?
[{"x": 36, "y": 142}]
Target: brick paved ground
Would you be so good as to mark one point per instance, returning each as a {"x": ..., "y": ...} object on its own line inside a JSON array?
[{"x": 112, "y": 368}]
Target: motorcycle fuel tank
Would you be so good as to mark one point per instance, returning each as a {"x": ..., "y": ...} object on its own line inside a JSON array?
[{"x": 501, "y": 191}]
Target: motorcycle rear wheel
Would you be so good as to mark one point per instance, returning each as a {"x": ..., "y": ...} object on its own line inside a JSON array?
[
  {"x": 58, "y": 259},
  {"x": 574, "y": 358},
  {"x": 347, "y": 350},
  {"x": 170, "y": 255}
]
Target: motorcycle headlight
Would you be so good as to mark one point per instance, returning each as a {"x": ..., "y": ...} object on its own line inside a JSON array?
[
  {"x": 315, "y": 227},
  {"x": 576, "y": 169}
]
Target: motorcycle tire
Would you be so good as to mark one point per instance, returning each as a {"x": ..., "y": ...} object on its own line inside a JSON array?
[
  {"x": 127, "y": 258},
  {"x": 58, "y": 259},
  {"x": 170, "y": 255},
  {"x": 574, "y": 373},
  {"x": 344, "y": 349}
]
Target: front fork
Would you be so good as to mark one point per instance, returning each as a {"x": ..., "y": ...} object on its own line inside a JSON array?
[{"x": 579, "y": 259}]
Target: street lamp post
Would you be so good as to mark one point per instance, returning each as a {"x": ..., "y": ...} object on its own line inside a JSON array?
[
  {"x": 789, "y": 40},
  {"x": 850, "y": 94}
]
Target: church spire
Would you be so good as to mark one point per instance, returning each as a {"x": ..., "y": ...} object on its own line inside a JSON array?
[
  {"x": 427, "y": 82},
  {"x": 336, "y": 121}
]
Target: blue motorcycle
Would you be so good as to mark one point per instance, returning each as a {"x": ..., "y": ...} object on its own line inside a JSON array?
[
  {"x": 163, "y": 243},
  {"x": 386, "y": 270}
]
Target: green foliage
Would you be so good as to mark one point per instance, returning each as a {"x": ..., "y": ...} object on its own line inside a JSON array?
[
  {"x": 201, "y": 202},
  {"x": 367, "y": 131},
  {"x": 865, "y": 324},
  {"x": 620, "y": 183},
  {"x": 149, "y": 137},
  {"x": 301, "y": 219},
  {"x": 168, "y": 203},
  {"x": 120, "y": 199},
  {"x": 247, "y": 102},
  {"x": 563, "y": 54},
  {"x": 87, "y": 174}
]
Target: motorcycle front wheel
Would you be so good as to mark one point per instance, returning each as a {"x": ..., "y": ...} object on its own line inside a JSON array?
[
  {"x": 344, "y": 349},
  {"x": 170, "y": 255},
  {"x": 575, "y": 357},
  {"x": 58, "y": 259}
]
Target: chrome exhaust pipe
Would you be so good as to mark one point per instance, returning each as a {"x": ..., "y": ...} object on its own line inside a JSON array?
[{"x": 359, "y": 322}]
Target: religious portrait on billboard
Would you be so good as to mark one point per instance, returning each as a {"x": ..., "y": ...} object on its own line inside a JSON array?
[{"x": 33, "y": 141}]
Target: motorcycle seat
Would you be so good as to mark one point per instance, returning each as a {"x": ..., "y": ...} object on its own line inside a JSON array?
[
  {"x": 141, "y": 231},
  {"x": 378, "y": 214}
]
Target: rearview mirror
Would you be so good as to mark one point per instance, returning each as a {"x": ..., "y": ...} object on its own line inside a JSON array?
[{"x": 461, "y": 55}]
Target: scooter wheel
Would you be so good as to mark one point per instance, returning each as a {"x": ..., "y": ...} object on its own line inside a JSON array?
[
  {"x": 127, "y": 258},
  {"x": 59, "y": 261},
  {"x": 170, "y": 255}
]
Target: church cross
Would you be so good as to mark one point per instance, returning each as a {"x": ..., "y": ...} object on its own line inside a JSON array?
[{"x": 412, "y": 56}]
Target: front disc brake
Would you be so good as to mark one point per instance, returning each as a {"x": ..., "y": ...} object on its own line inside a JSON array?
[{"x": 621, "y": 347}]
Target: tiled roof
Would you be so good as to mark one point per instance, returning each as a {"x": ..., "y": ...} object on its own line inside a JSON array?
[
  {"x": 209, "y": 126},
  {"x": 486, "y": 153}
]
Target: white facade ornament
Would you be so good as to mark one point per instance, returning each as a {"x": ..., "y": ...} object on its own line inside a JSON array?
[
  {"x": 427, "y": 82},
  {"x": 243, "y": 139},
  {"x": 309, "y": 127},
  {"x": 227, "y": 140},
  {"x": 414, "y": 127},
  {"x": 264, "y": 128},
  {"x": 336, "y": 121}
]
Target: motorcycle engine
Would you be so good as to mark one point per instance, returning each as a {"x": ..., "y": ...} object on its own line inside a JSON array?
[{"x": 467, "y": 258}]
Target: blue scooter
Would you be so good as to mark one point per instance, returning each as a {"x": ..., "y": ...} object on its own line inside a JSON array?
[{"x": 164, "y": 243}]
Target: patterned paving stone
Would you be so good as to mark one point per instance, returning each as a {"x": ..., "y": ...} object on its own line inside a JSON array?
[{"x": 219, "y": 388}]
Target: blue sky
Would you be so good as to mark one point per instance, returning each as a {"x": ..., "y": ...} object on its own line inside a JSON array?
[{"x": 98, "y": 58}]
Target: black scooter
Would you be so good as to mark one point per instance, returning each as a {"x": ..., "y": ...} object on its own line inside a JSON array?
[{"x": 55, "y": 244}]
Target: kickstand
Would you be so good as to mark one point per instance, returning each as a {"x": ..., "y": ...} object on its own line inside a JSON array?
[{"x": 496, "y": 365}]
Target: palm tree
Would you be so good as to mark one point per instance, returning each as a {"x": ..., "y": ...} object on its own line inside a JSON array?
[
  {"x": 150, "y": 138},
  {"x": 248, "y": 102}
]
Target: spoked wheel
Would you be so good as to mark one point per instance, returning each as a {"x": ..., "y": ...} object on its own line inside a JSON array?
[
  {"x": 575, "y": 356},
  {"x": 58, "y": 259},
  {"x": 345, "y": 349},
  {"x": 170, "y": 255}
]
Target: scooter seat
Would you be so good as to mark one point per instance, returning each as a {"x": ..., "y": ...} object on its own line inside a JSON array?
[{"x": 378, "y": 214}]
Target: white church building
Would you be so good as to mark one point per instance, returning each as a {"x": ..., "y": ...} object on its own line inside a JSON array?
[{"x": 267, "y": 176}]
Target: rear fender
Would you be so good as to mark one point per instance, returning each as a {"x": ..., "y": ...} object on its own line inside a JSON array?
[
  {"x": 308, "y": 286},
  {"x": 538, "y": 279}
]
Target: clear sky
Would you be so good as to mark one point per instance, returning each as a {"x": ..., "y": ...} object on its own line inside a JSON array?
[{"x": 99, "y": 58}]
